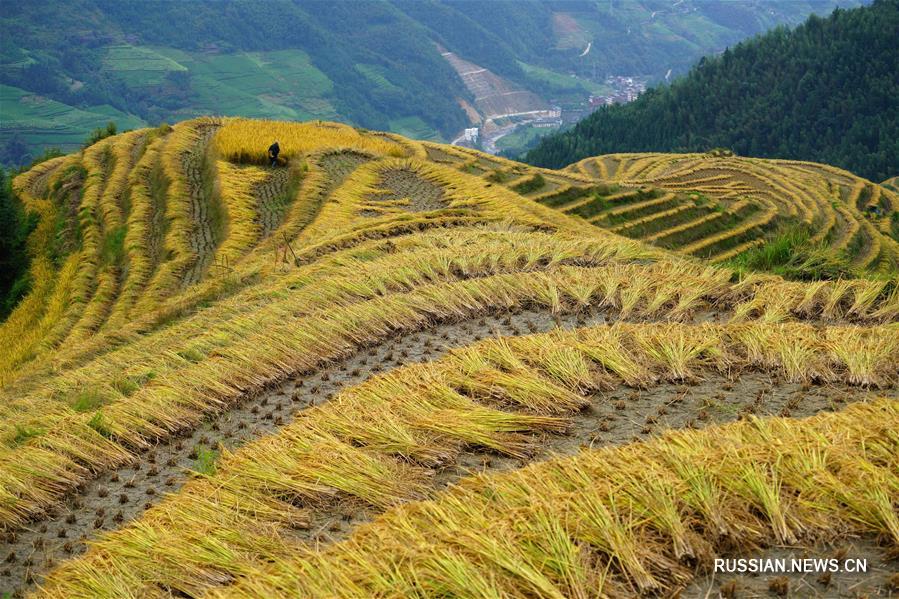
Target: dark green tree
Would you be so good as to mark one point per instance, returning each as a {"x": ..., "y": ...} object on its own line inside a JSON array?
[{"x": 15, "y": 225}]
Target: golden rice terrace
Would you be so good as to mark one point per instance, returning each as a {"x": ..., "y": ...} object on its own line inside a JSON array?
[
  {"x": 395, "y": 368},
  {"x": 719, "y": 207}
]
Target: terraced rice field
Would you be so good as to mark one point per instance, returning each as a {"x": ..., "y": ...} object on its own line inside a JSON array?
[
  {"x": 392, "y": 368},
  {"x": 713, "y": 208},
  {"x": 742, "y": 199}
]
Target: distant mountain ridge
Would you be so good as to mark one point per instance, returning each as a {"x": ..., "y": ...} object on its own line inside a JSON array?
[
  {"x": 827, "y": 91},
  {"x": 68, "y": 67}
]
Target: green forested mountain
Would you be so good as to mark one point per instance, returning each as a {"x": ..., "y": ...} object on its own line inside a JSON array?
[
  {"x": 827, "y": 91},
  {"x": 69, "y": 66}
]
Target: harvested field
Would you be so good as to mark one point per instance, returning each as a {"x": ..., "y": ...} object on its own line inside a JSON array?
[
  {"x": 405, "y": 189},
  {"x": 393, "y": 368},
  {"x": 203, "y": 237},
  {"x": 273, "y": 199},
  {"x": 593, "y": 412},
  {"x": 832, "y": 202},
  {"x": 663, "y": 396},
  {"x": 122, "y": 495},
  {"x": 437, "y": 154}
]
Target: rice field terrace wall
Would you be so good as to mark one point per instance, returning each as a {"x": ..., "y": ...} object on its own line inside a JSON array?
[{"x": 346, "y": 374}]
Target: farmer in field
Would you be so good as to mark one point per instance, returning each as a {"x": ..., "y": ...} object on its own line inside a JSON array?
[{"x": 273, "y": 151}]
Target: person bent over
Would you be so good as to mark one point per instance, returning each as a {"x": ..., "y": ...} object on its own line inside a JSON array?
[{"x": 273, "y": 151}]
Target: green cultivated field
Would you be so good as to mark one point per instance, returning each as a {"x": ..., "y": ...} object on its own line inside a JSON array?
[
  {"x": 413, "y": 126},
  {"x": 522, "y": 138},
  {"x": 282, "y": 84},
  {"x": 377, "y": 76},
  {"x": 139, "y": 66},
  {"x": 46, "y": 123},
  {"x": 564, "y": 82}
]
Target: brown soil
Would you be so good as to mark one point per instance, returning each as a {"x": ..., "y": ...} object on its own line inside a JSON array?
[
  {"x": 438, "y": 155},
  {"x": 472, "y": 168},
  {"x": 338, "y": 166},
  {"x": 156, "y": 223},
  {"x": 493, "y": 95},
  {"x": 865, "y": 253},
  {"x": 564, "y": 179},
  {"x": 138, "y": 149},
  {"x": 272, "y": 201},
  {"x": 40, "y": 186},
  {"x": 488, "y": 164},
  {"x": 548, "y": 186},
  {"x": 70, "y": 199},
  {"x": 592, "y": 169},
  {"x": 844, "y": 180},
  {"x": 839, "y": 235},
  {"x": 404, "y": 184}
]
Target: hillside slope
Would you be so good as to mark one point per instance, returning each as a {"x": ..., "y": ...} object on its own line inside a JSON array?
[
  {"x": 380, "y": 369},
  {"x": 827, "y": 91},
  {"x": 720, "y": 207},
  {"x": 68, "y": 67},
  {"x": 714, "y": 207}
]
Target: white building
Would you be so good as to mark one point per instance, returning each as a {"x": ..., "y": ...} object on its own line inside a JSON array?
[{"x": 471, "y": 135}]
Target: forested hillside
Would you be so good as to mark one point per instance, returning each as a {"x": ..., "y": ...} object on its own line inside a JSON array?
[
  {"x": 15, "y": 225},
  {"x": 827, "y": 91},
  {"x": 69, "y": 67}
]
